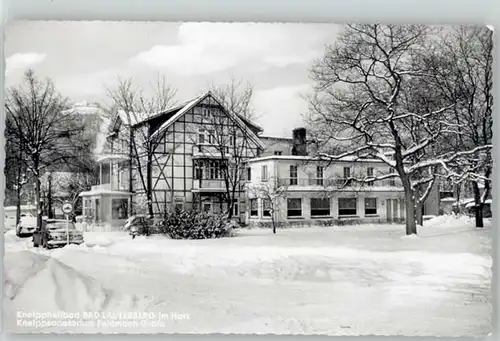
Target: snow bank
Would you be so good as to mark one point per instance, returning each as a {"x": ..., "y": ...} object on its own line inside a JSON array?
[
  {"x": 450, "y": 221},
  {"x": 36, "y": 282}
]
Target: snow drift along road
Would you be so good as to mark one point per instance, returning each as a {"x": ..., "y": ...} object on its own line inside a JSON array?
[{"x": 43, "y": 284}]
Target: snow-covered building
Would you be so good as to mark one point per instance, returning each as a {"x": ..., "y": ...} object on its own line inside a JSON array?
[
  {"x": 184, "y": 172},
  {"x": 183, "y": 158},
  {"x": 298, "y": 188}
]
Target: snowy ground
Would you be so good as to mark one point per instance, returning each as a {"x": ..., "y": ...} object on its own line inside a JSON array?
[{"x": 354, "y": 280}]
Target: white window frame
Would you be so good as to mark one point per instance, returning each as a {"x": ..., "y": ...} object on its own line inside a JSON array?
[
  {"x": 294, "y": 170},
  {"x": 321, "y": 215},
  {"x": 350, "y": 208},
  {"x": 263, "y": 173},
  {"x": 256, "y": 210},
  {"x": 288, "y": 210},
  {"x": 320, "y": 175},
  {"x": 376, "y": 206}
]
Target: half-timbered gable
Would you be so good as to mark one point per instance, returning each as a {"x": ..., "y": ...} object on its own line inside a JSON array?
[
  {"x": 178, "y": 155},
  {"x": 191, "y": 146}
]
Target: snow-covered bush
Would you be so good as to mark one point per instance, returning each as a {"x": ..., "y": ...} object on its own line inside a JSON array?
[{"x": 195, "y": 225}]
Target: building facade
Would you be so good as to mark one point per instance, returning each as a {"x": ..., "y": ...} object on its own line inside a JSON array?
[
  {"x": 199, "y": 156},
  {"x": 189, "y": 157},
  {"x": 294, "y": 189}
]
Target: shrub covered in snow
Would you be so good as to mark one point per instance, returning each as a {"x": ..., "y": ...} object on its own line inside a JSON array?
[{"x": 195, "y": 225}]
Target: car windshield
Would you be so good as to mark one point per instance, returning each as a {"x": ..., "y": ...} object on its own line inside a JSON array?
[{"x": 60, "y": 225}]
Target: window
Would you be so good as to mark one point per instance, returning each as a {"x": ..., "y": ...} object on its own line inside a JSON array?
[
  {"x": 236, "y": 210},
  {"x": 198, "y": 171},
  {"x": 392, "y": 181},
  {"x": 263, "y": 174},
  {"x": 249, "y": 174},
  {"x": 213, "y": 170},
  {"x": 293, "y": 175},
  {"x": 369, "y": 174},
  {"x": 278, "y": 152},
  {"x": 211, "y": 137},
  {"x": 320, "y": 206},
  {"x": 206, "y": 112},
  {"x": 347, "y": 206},
  {"x": 207, "y": 207},
  {"x": 105, "y": 172},
  {"x": 254, "y": 208},
  {"x": 232, "y": 139},
  {"x": 347, "y": 173},
  {"x": 445, "y": 194},
  {"x": 201, "y": 137},
  {"x": 294, "y": 207},
  {"x": 119, "y": 208},
  {"x": 266, "y": 207},
  {"x": 370, "y": 206},
  {"x": 319, "y": 175}
]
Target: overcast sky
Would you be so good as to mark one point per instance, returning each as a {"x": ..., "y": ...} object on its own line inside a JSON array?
[{"x": 83, "y": 58}]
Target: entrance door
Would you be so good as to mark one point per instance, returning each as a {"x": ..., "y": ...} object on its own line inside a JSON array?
[
  {"x": 388, "y": 206},
  {"x": 395, "y": 209}
]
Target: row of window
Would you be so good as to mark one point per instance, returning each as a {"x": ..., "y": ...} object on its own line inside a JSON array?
[
  {"x": 320, "y": 207},
  {"x": 210, "y": 136},
  {"x": 293, "y": 173},
  {"x": 209, "y": 170}
]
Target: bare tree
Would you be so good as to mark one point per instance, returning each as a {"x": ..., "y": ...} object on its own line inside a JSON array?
[
  {"x": 138, "y": 107},
  {"x": 236, "y": 96},
  {"x": 227, "y": 141},
  {"x": 271, "y": 192},
  {"x": 461, "y": 71},
  {"x": 39, "y": 127},
  {"x": 360, "y": 96}
]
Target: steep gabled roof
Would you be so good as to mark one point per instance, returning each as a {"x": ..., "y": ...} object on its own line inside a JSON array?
[
  {"x": 190, "y": 104},
  {"x": 142, "y": 117}
]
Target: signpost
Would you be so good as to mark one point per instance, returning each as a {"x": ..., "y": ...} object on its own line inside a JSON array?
[{"x": 67, "y": 208}]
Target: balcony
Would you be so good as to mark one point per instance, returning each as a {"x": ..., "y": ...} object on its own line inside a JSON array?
[
  {"x": 339, "y": 184},
  {"x": 209, "y": 185},
  {"x": 208, "y": 151}
]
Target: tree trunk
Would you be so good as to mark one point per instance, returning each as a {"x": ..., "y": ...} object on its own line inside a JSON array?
[
  {"x": 419, "y": 214},
  {"x": 478, "y": 206},
  {"x": 149, "y": 190},
  {"x": 230, "y": 206},
  {"x": 49, "y": 197},
  {"x": 411, "y": 226},
  {"x": 130, "y": 174},
  {"x": 18, "y": 203},
  {"x": 459, "y": 191},
  {"x": 38, "y": 202}
]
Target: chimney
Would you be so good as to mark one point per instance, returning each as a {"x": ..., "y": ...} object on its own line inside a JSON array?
[{"x": 299, "y": 142}]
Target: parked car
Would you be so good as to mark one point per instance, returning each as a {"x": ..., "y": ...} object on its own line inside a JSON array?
[
  {"x": 26, "y": 226},
  {"x": 55, "y": 233},
  {"x": 138, "y": 225}
]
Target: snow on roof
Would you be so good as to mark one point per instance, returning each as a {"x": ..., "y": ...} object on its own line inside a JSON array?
[
  {"x": 140, "y": 117},
  {"x": 311, "y": 158},
  {"x": 181, "y": 112},
  {"x": 190, "y": 105},
  {"x": 267, "y": 137}
]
